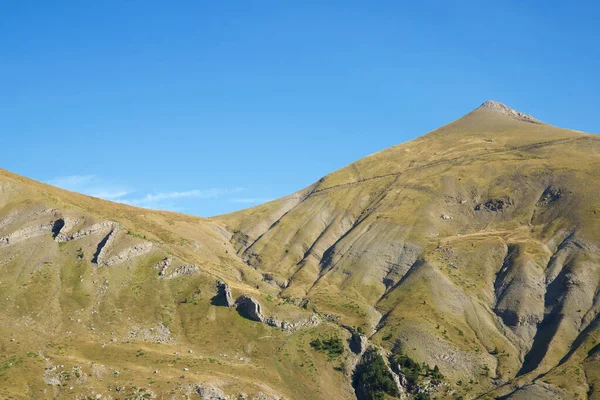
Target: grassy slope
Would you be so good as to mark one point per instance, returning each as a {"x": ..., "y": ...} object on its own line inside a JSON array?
[
  {"x": 63, "y": 316},
  {"x": 369, "y": 241}
]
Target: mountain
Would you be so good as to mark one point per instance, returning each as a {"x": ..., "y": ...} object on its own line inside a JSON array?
[{"x": 462, "y": 263}]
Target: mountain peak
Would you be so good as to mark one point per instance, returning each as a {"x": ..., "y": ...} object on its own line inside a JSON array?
[{"x": 496, "y": 106}]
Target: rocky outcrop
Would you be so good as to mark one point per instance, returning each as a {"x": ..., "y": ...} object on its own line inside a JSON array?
[
  {"x": 504, "y": 109},
  {"x": 358, "y": 342},
  {"x": 129, "y": 253},
  {"x": 249, "y": 308},
  {"x": 291, "y": 327},
  {"x": 223, "y": 297},
  {"x": 538, "y": 391},
  {"x": 158, "y": 334},
  {"x": 264, "y": 396},
  {"x": 66, "y": 226},
  {"x": 27, "y": 215},
  {"x": 99, "y": 257},
  {"x": 210, "y": 393},
  {"x": 30, "y": 232},
  {"x": 187, "y": 269},
  {"x": 65, "y": 236},
  {"x": 162, "y": 265},
  {"x": 550, "y": 195},
  {"x": 274, "y": 322},
  {"x": 495, "y": 205},
  {"x": 281, "y": 283}
]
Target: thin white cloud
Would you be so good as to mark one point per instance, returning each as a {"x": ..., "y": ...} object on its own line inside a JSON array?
[
  {"x": 68, "y": 182},
  {"x": 151, "y": 200},
  {"x": 254, "y": 200},
  {"x": 109, "y": 195},
  {"x": 90, "y": 185}
]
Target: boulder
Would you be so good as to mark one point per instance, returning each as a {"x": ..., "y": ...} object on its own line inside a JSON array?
[
  {"x": 358, "y": 343},
  {"x": 210, "y": 393},
  {"x": 162, "y": 266},
  {"x": 274, "y": 322},
  {"x": 249, "y": 308},
  {"x": 223, "y": 297},
  {"x": 495, "y": 205},
  {"x": 183, "y": 270}
]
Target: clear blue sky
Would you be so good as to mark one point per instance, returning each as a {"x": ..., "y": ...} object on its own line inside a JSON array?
[{"x": 209, "y": 106}]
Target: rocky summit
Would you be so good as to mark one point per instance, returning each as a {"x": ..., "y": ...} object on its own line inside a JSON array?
[{"x": 462, "y": 264}]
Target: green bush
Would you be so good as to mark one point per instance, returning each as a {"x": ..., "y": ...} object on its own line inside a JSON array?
[
  {"x": 374, "y": 379},
  {"x": 436, "y": 374},
  {"x": 333, "y": 346},
  {"x": 412, "y": 370}
]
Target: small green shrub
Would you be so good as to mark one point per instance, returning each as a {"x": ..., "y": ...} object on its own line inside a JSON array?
[
  {"x": 374, "y": 379},
  {"x": 413, "y": 371},
  {"x": 333, "y": 346}
]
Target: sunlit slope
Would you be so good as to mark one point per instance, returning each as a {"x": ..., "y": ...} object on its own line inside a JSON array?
[
  {"x": 474, "y": 246},
  {"x": 103, "y": 300},
  {"x": 466, "y": 259}
]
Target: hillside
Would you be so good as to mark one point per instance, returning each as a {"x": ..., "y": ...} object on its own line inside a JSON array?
[
  {"x": 473, "y": 247},
  {"x": 462, "y": 263}
]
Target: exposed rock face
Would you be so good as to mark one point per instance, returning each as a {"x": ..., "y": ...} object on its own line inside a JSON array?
[
  {"x": 504, "y": 109},
  {"x": 27, "y": 215},
  {"x": 159, "y": 334},
  {"x": 494, "y": 205},
  {"x": 65, "y": 236},
  {"x": 99, "y": 257},
  {"x": 210, "y": 393},
  {"x": 187, "y": 269},
  {"x": 162, "y": 266},
  {"x": 538, "y": 391},
  {"x": 249, "y": 308},
  {"x": 291, "y": 327},
  {"x": 519, "y": 286},
  {"x": 358, "y": 343},
  {"x": 67, "y": 225},
  {"x": 282, "y": 283},
  {"x": 274, "y": 322},
  {"x": 129, "y": 253},
  {"x": 264, "y": 396},
  {"x": 550, "y": 195},
  {"x": 30, "y": 232},
  {"x": 223, "y": 296}
]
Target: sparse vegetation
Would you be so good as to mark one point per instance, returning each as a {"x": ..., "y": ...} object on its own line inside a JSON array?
[
  {"x": 333, "y": 346},
  {"x": 60, "y": 308},
  {"x": 413, "y": 372},
  {"x": 373, "y": 378}
]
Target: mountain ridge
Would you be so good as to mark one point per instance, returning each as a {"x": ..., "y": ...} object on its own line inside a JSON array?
[
  {"x": 504, "y": 109},
  {"x": 506, "y": 137},
  {"x": 471, "y": 251}
]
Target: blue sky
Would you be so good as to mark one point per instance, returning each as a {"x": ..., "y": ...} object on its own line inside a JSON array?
[{"x": 207, "y": 107}]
